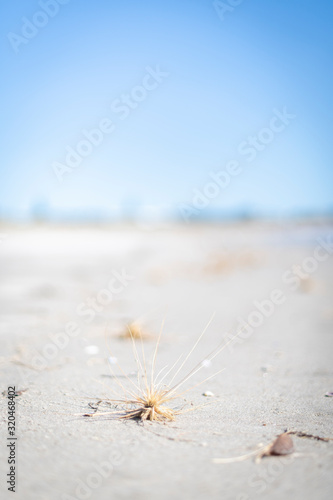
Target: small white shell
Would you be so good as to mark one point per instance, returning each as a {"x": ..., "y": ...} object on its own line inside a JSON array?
[{"x": 91, "y": 349}]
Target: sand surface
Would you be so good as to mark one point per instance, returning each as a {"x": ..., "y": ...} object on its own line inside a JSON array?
[{"x": 61, "y": 353}]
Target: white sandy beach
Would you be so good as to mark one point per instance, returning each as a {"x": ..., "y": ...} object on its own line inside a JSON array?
[{"x": 68, "y": 293}]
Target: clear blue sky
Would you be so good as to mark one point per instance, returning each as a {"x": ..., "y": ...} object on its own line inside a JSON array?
[{"x": 226, "y": 75}]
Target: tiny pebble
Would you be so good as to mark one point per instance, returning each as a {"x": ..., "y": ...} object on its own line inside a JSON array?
[
  {"x": 208, "y": 393},
  {"x": 91, "y": 349},
  {"x": 112, "y": 360}
]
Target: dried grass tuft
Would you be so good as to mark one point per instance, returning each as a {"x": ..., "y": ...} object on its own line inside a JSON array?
[
  {"x": 134, "y": 331},
  {"x": 150, "y": 398}
]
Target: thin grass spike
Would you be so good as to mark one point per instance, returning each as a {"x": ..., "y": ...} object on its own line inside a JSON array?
[{"x": 150, "y": 400}]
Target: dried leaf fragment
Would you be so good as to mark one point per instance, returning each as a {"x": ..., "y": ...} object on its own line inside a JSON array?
[{"x": 17, "y": 393}]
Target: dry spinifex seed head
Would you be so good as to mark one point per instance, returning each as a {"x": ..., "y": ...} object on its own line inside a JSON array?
[
  {"x": 134, "y": 330},
  {"x": 149, "y": 397}
]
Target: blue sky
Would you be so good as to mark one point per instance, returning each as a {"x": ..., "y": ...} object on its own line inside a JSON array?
[{"x": 224, "y": 74}]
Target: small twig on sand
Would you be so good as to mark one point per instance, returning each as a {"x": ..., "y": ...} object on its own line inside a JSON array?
[
  {"x": 310, "y": 436},
  {"x": 17, "y": 393}
]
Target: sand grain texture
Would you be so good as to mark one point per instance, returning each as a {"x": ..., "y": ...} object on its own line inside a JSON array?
[{"x": 275, "y": 379}]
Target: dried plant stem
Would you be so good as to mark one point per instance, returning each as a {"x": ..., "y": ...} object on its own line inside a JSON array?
[{"x": 149, "y": 400}]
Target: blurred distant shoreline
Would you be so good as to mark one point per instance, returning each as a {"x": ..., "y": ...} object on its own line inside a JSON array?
[{"x": 152, "y": 223}]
